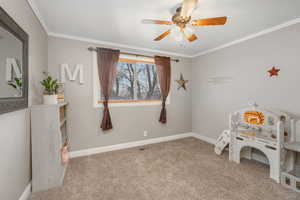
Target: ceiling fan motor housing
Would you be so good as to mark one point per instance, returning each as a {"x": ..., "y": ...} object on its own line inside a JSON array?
[{"x": 179, "y": 20}]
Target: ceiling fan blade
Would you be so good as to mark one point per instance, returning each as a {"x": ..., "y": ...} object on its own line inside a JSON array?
[
  {"x": 163, "y": 35},
  {"x": 187, "y": 8},
  {"x": 209, "y": 21},
  {"x": 152, "y": 21},
  {"x": 190, "y": 36}
]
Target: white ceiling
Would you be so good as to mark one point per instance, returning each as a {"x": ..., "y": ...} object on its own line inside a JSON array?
[{"x": 119, "y": 21}]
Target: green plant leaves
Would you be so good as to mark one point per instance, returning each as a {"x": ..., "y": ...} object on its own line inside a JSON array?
[
  {"x": 12, "y": 85},
  {"x": 16, "y": 83},
  {"x": 50, "y": 85}
]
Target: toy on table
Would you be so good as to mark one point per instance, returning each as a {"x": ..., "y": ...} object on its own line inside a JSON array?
[{"x": 257, "y": 128}]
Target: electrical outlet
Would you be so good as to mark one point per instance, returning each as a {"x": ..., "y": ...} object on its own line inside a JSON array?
[{"x": 145, "y": 133}]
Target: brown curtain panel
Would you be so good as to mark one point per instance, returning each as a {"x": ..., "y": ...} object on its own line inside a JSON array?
[
  {"x": 107, "y": 69},
  {"x": 163, "y": 65}
]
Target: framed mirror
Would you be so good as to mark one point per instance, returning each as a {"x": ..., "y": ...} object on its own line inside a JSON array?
[{"x": 13, "y": 65}]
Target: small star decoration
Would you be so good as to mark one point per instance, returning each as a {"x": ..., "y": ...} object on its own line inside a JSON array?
[
  {"x": 182, "y": 82},
  {"x": 274, "y": 71}
]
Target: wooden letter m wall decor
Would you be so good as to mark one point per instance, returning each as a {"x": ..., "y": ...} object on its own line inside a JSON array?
[{"x": 78, "y": 71}]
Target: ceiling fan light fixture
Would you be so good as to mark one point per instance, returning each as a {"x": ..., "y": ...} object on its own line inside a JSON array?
[
  {"x": 177, "y": 33},
  {"x": 188, "y": 31},
  {"x": 189, "y": 34},
  {"x": 175, "y": 30}
]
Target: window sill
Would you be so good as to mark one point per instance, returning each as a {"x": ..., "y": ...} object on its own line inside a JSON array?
[{"x": 130, "y": 103}]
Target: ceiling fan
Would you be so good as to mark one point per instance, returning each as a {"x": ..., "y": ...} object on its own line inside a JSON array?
[{"x": 182, "y": 18}]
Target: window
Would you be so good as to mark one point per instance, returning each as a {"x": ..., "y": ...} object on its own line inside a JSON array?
[{"x": 136, "y": 82}]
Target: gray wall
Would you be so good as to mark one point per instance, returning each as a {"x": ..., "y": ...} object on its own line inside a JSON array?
[
  {"x": 129, "y": 122},
  {"x": 14, "y": 127},
  {"x": 247, "y": 63}
]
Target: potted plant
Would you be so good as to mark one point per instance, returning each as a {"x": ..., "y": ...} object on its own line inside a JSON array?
[{"x": 50, "y": 89}]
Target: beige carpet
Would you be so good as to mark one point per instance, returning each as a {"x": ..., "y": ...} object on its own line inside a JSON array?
[{"x": 185, "y": 169}]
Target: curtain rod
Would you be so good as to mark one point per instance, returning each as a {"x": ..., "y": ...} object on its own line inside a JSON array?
[{"x": 133, "y": 54}]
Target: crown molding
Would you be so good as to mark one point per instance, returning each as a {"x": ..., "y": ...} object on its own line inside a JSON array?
[
  {"x": 249, "y": 37},
  {"x": 38, "y": 14},
  {"x": 232, "y": 43},
  {"x": 36, "y": 11},
  {"x": 83, "y": 39}
]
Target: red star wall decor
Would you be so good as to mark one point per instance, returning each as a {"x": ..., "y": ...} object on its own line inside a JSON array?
[{"x": 274, "y": 71}]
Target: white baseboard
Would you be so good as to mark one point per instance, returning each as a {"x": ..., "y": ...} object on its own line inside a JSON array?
[
  {"x": 204, "y": 138},
  {"x": 26, "y": 194},
  {"x": 92, "y": 151}
]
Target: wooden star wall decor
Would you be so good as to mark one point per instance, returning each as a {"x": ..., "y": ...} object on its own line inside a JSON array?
[
  {"x": 274, "y": 71},
  {"x": 182, "y": 82}
]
